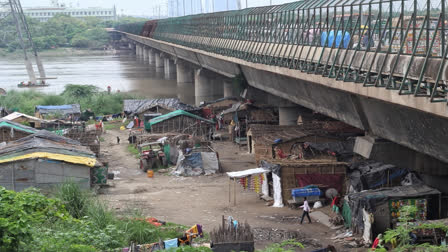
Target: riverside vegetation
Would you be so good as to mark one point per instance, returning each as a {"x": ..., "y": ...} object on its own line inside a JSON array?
[
  {"x": 89, "y": 97},
  {"x": 62, "y": 31},
  {"x": 73, "y": 220}
]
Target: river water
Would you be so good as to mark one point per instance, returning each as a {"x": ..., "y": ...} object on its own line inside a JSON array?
[{"x": 122, "y": 72}]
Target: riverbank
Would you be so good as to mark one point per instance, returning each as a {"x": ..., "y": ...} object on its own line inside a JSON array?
[{"x": 62, "y": 52}]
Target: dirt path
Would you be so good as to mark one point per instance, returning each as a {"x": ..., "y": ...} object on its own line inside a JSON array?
[{"x": 202, "y": 200}]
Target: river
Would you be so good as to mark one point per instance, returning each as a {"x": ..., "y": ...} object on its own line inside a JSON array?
[{"x": 125, "y": 73}]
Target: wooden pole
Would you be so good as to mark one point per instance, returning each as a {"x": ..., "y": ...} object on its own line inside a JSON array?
[
  {"x": 234, "y": 191},
  {"x": 230, "y": 180}
]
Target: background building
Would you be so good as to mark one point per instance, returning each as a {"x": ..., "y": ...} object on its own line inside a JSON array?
[{"x": 45, "y": 13}]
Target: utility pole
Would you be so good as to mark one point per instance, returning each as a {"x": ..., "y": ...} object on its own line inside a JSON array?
[
  {"x": 227, "y": 5},
  {"x": 183, "y": 5},
  {"x": 247, "y": 4},
  {"x": 29, "y": 67},
  {"x": 191, "y": 7}
]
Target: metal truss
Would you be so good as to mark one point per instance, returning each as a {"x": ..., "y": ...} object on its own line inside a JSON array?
[{"x": 394, "y": 44}]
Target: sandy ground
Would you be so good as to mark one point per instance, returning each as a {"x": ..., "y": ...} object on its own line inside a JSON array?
[{"x": 203, "y": 200}]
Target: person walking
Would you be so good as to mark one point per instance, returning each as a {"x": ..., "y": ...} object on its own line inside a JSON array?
[
  {"x": 118, "y": 140},
  {"x": 306, "y": 211}
]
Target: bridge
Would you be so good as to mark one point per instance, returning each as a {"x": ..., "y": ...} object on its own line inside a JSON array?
[{"x": 377, "y": 65}]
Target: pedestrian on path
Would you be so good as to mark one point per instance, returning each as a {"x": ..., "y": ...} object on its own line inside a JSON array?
[
  {"x": 118, "y": 140},
  {"x": 306, "y": 211}
]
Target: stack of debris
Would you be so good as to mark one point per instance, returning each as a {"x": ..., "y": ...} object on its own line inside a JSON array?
[{"x": 232, "y": 237}]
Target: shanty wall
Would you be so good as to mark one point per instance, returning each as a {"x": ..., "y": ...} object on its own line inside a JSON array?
[
  {"x": 265, "y": 150},
  {"x": 5, "y": 135},
  {"x": 42, "y": 173},
  {"x": 22, "y": 120},
  {"x": 288, "y": 174},
  {"x": 183, "y": 125}
]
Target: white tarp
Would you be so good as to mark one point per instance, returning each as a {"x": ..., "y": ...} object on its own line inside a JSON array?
[
  {"x": 196, "y": 164},
  {"x": 245, "y": 173},
  {"x": 265, "y": 185},
  {"x": 278, "y": 200},
  {"x": 367, "y": 234}
]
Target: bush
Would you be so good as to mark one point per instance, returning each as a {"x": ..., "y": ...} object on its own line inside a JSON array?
[
  {"x": 20, "y": 211},
  {"x": 74, "y": 198}
]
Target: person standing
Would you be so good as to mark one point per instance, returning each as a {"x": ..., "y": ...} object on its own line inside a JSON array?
[
  {"x": 118, "y": 140},
  {"x": 306, "y": 211}
]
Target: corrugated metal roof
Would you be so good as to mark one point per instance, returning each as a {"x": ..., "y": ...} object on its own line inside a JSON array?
[
  {"x": 16, "y": 126},
  {"x": 139, "y": 106},
  {"x": 44, "y": 144},
  {"x": 15, "y": 115},
  {"x": 263, "y": 133},
  {"x": 176, "y": 113}
]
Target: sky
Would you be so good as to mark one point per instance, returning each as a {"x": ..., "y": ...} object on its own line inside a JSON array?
[{"x": 143, "y": 8}]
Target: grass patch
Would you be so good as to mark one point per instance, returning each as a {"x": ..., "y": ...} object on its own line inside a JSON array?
[
  {"x": 134, "y": 151},
  {"x": 75, "y": 220}
]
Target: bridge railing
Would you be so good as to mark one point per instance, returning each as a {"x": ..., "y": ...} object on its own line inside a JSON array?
[{"x": 392, "y": 44}]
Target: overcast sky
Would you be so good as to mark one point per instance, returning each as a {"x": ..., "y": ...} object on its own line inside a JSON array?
[{"x": 133, "y": 7}]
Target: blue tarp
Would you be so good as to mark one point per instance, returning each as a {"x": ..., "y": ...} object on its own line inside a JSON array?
[{"x": 54, "y": 107}]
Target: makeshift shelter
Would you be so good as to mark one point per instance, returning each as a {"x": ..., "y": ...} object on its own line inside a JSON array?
[
  {"x": 217, "y": 106},
  {"x": 251, "y": 114},
  {"x": 32, "y": 121},
  {"x": 290, "y": 141},
  {"x": 11, "y": 131},
  {"x": 374, "y": 211},
  {"x": 150, "y": 106},
  {"x": 369, "y": 174},
  {"x": 181, "y": 122},
  {"x": 71, "y": 112},
  {"x": 87, "y": 137},
  {"x": 201, "y": 161},
  {"x": 43, "y": 160},
  {"x": 293, "y": 174}
]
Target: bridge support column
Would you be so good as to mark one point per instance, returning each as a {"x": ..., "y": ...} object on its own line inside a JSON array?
[
  {"x": 169, "y": 66},
  {"x": 288, "y": 115},
  {"x": 229, "y": 89},
  {"x": 158, "y": 60},
  {"x": 151, "y": 56},
  {"x": 139, "y": 50},
  {"x": 207, "y": 86},
  {"x": 185, "y": 82},
  {"x": 145, "y": 53}
]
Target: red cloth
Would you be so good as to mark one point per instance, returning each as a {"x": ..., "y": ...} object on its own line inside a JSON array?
[
  {"x": 332, "y": 180},
  {"x": 375, "y": 243},
  {"x": 280, "y": 154},
  {"x": 335, "y": 201}
]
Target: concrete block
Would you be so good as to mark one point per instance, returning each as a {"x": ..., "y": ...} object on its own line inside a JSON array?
[{"x": 364, "y": 146}]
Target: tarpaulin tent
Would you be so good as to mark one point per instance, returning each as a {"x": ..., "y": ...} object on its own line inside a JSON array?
[
  {"x": 372, "y": 175},
  {"x": 197, "y": 163},
  {"x": 68, "y": 109}
]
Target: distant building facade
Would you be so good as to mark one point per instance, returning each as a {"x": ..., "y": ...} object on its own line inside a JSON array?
[
  {"x": 43, "y": 14},
  {"x": 190, "y": 7}
]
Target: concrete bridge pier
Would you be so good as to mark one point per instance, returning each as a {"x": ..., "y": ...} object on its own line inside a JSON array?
[
  {"x": 145, "y": 53},
  {"x": 170, "y": 68},
  {"x": 207, "y": 86},
  {"x": 229, "y": 88},
  {"x": 151, "y": 56},
  {"x": 185, "y": 82},
  {"x": 137, "y": 50},
  {"x": 158, "y": 60}
]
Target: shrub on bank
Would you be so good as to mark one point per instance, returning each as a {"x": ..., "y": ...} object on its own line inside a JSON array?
[
  {"x": 88, "y": 96},
  {"x": 75, "y": 220}
]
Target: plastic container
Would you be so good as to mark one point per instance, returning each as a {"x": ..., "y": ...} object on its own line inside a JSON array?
[
  {"x": 305, "y": 192},
  {"x": 150, "y": 173}
]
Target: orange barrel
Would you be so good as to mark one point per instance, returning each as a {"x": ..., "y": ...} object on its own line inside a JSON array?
[{"x": 150, "y": 173}]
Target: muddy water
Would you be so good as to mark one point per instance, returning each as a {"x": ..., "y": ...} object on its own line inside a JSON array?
[{"x": 122, "y": 72}]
